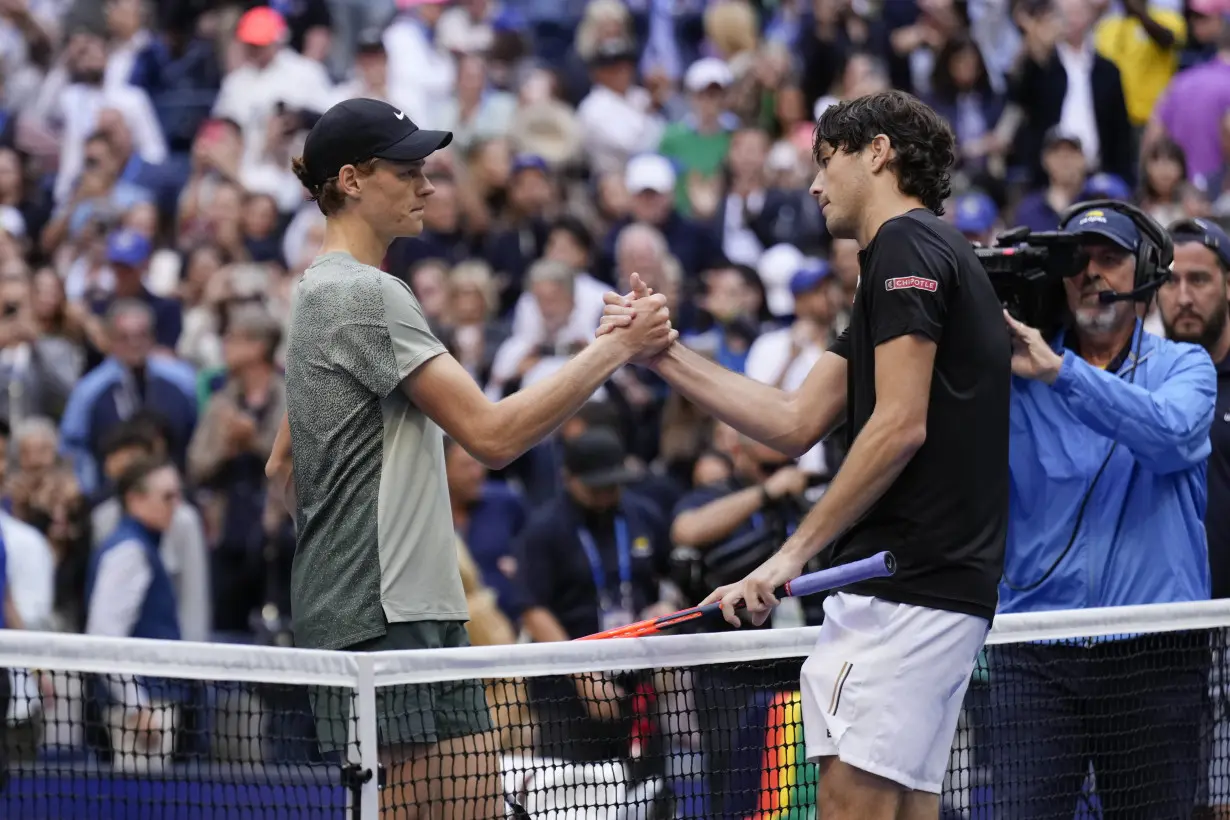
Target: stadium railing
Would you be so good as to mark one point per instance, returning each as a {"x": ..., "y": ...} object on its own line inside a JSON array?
[{"x": 676, "y": 726}]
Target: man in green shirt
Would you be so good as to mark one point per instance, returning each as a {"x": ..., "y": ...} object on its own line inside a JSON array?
[
  {"x": 371, "y": 392},
  {"x": 699, "y": 144}
]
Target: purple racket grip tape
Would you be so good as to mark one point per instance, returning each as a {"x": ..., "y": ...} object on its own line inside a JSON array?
[{"x": 880, "y": 565}]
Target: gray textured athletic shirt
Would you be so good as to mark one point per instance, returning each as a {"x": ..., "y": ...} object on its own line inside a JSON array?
[{"x": 375, "y": 538}]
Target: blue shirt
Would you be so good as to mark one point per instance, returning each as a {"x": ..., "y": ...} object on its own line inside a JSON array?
[
  {"x": 158, "y": 616},
  {"x": 1141, "y": 539},
  {"x": 168, "y": 315},
  {"x": 495, "y": 520},
  {"x": 103, "y": 399},
  {"x": 1036, "y": 213}
]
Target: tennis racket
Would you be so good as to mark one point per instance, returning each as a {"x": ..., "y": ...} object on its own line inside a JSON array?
[{"x": 880, "y": 565}]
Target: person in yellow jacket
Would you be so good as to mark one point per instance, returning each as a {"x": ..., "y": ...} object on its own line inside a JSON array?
[{"x": 1144, "y": 44}]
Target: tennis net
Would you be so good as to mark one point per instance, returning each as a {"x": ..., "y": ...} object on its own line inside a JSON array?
[{"x": 1108, "y": 713}]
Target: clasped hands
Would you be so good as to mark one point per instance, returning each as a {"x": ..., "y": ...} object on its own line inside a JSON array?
[{"x": 640, "y": 319}]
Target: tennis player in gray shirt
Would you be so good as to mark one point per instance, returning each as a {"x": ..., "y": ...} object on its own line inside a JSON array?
[{"x": 371, "y": 392}]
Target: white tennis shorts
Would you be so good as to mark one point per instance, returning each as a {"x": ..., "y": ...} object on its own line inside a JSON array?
[{"x": 883, "y": 689}]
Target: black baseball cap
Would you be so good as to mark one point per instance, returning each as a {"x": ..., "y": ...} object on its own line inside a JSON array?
[
  {"x": 1057, "y": 136},
  {"x": 597, "y": 458},
  {"x": 370, "y": 41},
  {"x": 609, "y": 52},
  {"x": 357, "y": 130}
]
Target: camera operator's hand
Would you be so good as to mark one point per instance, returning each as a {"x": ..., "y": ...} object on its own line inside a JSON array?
[
  {"x": 785, "y": 482},
  {"x": 1032, "y": 357},
  {"x": 756, "y": 590}
]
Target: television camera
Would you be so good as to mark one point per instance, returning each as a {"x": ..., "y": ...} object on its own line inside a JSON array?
[{"x": 1027, "y": 271}]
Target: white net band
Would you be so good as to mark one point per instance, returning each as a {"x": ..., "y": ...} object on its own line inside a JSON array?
[
  {"x": 1124, "y": 711},
  {"x": 257, "y": 664}
]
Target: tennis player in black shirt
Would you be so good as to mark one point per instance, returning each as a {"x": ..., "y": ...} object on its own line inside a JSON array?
[{"x": 922, "y": 376}]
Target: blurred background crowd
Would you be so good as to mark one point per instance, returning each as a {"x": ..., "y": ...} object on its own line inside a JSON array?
[{"x": 152, "y": 233}]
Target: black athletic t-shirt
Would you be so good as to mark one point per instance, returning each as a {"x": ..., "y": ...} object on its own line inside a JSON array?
[
  {"x": 1217, "y": 511},
  {"x": 945, "y": 518}
]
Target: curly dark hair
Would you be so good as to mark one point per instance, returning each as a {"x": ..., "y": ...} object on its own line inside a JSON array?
[{"x": 922, "y": 139}]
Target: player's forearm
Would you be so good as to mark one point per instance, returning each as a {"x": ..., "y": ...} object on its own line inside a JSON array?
[
  {"x": 1009, "y": 122},
  {"x": 542, "y": 625},
  {"x": 525, "y": 418},
  {"x": 279, "y": 469},
  {"x": 880, "y": 452},
  {"x": 1159, "y": 34},
  {"x": 600, "y": 696},
  {"x": 762, "y": 412},
  {"x": 716, "y": 520},
  {"x": 12, "y": 618}
]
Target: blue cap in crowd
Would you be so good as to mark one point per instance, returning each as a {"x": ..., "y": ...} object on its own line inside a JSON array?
[
  {"x": 810, "y": 276},
  {"x": 1106, "y": 186},
  {"x": 508, "y": 20},
  {"x": 1207, "y": 233},
  {"x": 975, "y": 213},
  {"x": 127, "y": 247},
  {"x": 527, "y": 162},
  {"x": 1110, "y": 224}
]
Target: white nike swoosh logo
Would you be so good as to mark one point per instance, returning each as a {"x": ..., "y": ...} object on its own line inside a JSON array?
[{"x": 399, "y": 115}]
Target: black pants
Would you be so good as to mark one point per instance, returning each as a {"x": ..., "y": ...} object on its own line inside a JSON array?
[{"x": 1132, "y": 709}]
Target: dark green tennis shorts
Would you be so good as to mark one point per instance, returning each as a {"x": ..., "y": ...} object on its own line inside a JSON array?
[{"x": 412, "y": 713}]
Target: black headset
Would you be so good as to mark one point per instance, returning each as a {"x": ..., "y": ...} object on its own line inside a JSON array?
[{"x": 1155, "y": 254}]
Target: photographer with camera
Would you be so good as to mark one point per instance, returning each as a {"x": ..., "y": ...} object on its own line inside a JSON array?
[
  {"x": 1108, "y": 449},
  {"x": 721, "y": 533},
  {"x": 731, "y": 527}
]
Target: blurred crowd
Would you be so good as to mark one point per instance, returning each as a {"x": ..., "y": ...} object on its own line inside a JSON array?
[{"x": 152, "y": 233}]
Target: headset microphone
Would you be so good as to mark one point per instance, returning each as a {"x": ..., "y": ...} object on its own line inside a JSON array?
[{"x": 1107, "y": 297}]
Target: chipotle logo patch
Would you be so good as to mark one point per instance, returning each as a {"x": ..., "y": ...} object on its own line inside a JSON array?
[{"x": 918, "y": 282}]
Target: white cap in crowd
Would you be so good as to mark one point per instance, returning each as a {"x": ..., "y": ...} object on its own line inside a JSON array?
[
  {"x": 12, "y": 222},
  {"x": 706, "y": 72},
  {"x": 777, "y": 266},
  {"x": 649, "y": 172},
  {"x": 782, "y": 157}
]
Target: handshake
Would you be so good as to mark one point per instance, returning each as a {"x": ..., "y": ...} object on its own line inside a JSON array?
[{"x": 639, "y": 321}]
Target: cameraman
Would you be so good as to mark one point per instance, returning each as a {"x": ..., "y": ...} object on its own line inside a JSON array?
[
  {"x": 735, "y": 526},
  {"x": 1109, "y": 442}
]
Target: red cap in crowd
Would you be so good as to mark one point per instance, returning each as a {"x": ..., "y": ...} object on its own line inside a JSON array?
[{"x": 261, "y": 26}]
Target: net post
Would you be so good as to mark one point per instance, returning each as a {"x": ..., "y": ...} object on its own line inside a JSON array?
[{"x": 369, "y": 754}]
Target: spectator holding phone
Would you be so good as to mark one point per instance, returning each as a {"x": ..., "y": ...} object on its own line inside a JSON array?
[{"x": 97, "y": 200}]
